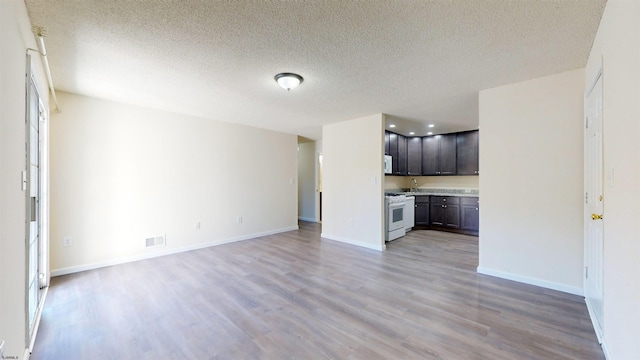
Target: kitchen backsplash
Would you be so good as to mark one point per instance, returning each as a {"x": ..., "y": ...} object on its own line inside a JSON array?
[
  {"x": 438, "y": 191},
  {"x": 431, "y": 182}
]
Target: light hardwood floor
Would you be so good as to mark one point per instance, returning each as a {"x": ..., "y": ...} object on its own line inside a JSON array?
[{"x": 296, "y": 296}]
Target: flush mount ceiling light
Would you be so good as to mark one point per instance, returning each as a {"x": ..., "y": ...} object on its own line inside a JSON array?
[{"x": 288, "y": 80}]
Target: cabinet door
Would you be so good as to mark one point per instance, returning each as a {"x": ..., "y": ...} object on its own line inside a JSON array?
[
  {"x": 393, "y": 151},
  {"x": 452, "y": 216},
  {"x": 402, "y": 155},
  {"x": 387, "y": 146},
  {"x": 467, "y": 153},
  {"x": 470, "y": 218},
  {"x": 447, "y": 154},
  {"x": 422, "y": 213},
  {"x": 436, "y": 214},
  {"x": 414, "y": 156},
  {"x": 430, "y": 155}
]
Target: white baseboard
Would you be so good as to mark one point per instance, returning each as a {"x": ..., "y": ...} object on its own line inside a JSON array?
[
  {"x": 79, "y": 268},
  {"x": 532, "y": 281},
  {"x": 353, "y": 242},
  {"x": 605, "y": 350},
  {"x": 306, "y": 219},
  {"x": 594, "y": 323}
]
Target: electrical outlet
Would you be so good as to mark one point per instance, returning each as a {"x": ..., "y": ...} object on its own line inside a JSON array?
[
  {"x": 197, "y": 225},
  {"x": 239, "y": 219},
  {"x": 67, "y": 241}
]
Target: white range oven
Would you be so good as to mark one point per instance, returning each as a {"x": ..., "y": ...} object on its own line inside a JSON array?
[{"x": 394, "y": 216}]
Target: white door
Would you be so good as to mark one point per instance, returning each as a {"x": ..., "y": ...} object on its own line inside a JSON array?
[
  {"x": 36, "y": 245},
  {"x": 594, "y": 205}
]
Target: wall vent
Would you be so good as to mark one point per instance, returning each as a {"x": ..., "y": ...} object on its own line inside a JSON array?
[{"x": 155, "y": 241}]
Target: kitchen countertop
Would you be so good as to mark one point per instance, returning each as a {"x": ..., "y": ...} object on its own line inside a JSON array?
[{"x": 437, "y": 192}]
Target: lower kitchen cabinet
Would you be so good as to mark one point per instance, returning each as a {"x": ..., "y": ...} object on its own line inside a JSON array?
[
  {"x": 470, "y": 214},
  {"x": 444, "y": 211},
  {"x": 458, "y": 214},
  {"x": 422, "y": 210}
]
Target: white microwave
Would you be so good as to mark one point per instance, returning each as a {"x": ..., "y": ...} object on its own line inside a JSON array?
[{"x": 388, "y": 163}]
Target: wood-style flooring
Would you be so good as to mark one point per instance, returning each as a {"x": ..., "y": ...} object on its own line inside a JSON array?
[{"x": 297, "y": 296}]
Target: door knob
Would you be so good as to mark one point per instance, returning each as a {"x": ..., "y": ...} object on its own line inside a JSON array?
[{"x": 596, "y": 217}]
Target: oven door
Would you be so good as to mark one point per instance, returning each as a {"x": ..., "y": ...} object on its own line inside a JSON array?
[{"x": 396, "y": 216}]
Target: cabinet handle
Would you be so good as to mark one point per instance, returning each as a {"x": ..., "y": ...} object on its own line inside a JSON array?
[
  {"x": 444, "y": 200},
  {"x": 476, "y": 208}
]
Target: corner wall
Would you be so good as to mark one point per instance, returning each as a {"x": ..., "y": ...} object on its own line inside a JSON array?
[
  {"x": 121, "y": 174},
  {"x": 531, "y": 226},
  {"x": 617, "y": 49},
  {"x": 352, "y": 181}
]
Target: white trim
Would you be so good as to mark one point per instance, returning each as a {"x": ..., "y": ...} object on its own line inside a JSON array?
[
  {"x": 353, "y": 242},
  {"x": 593, "y": 318},
  {"x": 36, "y": 325},
  {"x": 605, "y": 350},
  {"x": 532, "y": 281},
  {"x": 79, "y": 268},
  {"x": 303, "y": 218}
]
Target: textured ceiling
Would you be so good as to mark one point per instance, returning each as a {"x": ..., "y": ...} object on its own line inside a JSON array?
[{"x": 417, "y": 61}]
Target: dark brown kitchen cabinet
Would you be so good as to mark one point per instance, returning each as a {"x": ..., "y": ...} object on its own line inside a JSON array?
[
  {"x": 439, "y": 155},
  {"x": 444, "y": 211},
  {"x": 467, "y": 153},
  {"x": 398, "y": 152},
  {"x": 402, "y": 155},
  {"x": 422, "y": 210},
  {"x": 387, "y": 146},
  {"x": 470, "y": 213},
  {"x": 414, "y": 156}
]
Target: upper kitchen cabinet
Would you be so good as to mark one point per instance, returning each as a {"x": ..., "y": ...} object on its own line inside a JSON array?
[
  {"x": 387, "y": 146},
  {"x": 439, "y": 155},
  {"x": 402, "y": 155},
  {"x": 414, "y": 156},
  {"x": 398, "y": 152},
  {"x": 467, "y": 156}
]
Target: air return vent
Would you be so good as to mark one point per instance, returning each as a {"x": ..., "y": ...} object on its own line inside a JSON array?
[{"x": 155, "y": 241}]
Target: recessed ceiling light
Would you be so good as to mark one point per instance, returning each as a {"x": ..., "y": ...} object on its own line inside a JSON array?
[
  {"x": 392, "y": 125},
  {"x": 430, "y": 133},
  {"x": 431, "y": 125},
  {"x": 412, "y": 133}
]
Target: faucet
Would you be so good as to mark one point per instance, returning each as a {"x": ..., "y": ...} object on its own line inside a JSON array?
[{"x": 415, "y": 183}]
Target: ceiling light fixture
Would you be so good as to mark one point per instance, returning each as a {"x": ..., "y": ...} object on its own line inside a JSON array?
[
  {"x": 431, "y": 125},
  {"x": 412, "y": 133},
  {"x": 288, "y": 81},
  {"x": 430, "y": 133},
  {"x": 392, "y": 125}
]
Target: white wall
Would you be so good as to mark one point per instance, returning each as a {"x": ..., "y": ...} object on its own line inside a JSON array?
[
  {"x": 307, "y": 179},
  {"x": 352, "y": 177},
  {"x": 121, "y": 174},
  {"x": 531, "y": 183},
  {"x": 617, "y": 48},
  {"x": 15, "y": 38}
]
